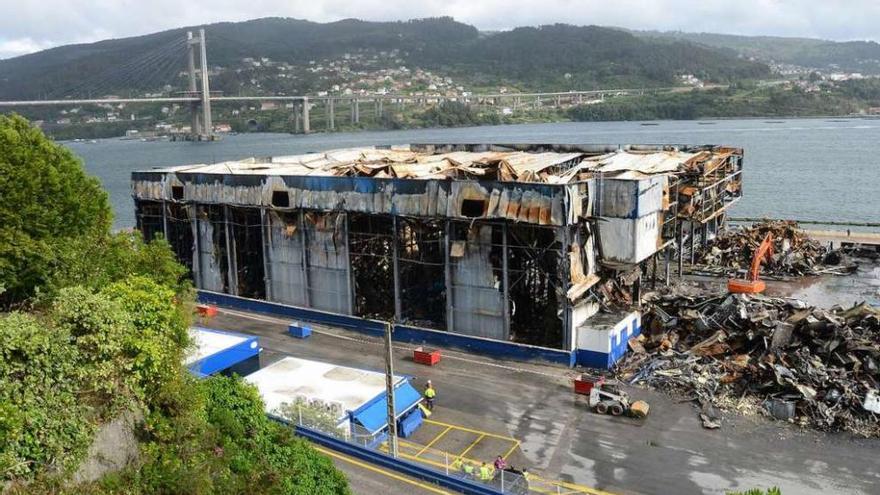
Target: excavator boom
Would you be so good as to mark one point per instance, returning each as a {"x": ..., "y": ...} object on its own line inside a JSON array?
[
  {"x": 753, "y": 284},
  {"x": 765, "y": 251}
]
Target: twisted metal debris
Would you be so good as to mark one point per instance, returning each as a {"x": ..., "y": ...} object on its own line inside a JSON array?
[
  {"x": 819, "y": 368},
  {"x": 795, "y": 253}
]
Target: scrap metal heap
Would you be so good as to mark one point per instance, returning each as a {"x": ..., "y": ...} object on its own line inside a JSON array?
[
  {"x": 817, "y": 367},
  {"x": 795, "y": 254},
  {"x": 507, "y": 242}
]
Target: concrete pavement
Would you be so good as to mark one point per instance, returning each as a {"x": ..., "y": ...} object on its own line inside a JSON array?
[
  {"x": 366, "y": 479},
  {"x": 560, "y": 439}
]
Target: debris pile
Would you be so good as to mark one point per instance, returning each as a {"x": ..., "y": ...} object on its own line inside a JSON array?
[
  {"x": 794, "y": 253},
  {"x": 816, "y": 367}
]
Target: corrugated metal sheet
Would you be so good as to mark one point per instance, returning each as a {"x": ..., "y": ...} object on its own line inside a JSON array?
[
  {"x": 627, "y": 240},
  {"x": 624, "y": 198},
  {"x": 286, "y": 276},
  {"x": 477, "y": 298},
  {"x": 210, "y": 274},
  {"x": 655, "y": 162},
  {"x": 329, "y": 277}
]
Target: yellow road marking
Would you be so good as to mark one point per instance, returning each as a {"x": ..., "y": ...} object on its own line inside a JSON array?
[
  {"x": 570, "y": 487},
  {"x": 515, "y": 445},
  {"x": 432, "y": 442},
  {"x": 474, "y": 444},
  {"x": 383, "y": 472},
  {"x": 469, "y": 430}
]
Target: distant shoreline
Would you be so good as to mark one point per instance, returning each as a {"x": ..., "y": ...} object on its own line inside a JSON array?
[{"x": 524, "y": 122}]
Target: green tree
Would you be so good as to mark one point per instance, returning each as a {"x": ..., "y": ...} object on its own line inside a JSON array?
[
  {"x": 236, "y": 449},
  {"x": 121, "y": 255},
  {"x": 47, "y": 200},
  {"x": 98, "y": 328},
  {"x": 159, "y": 337},
  {"x": 302, "y": 413},
  {"x": 109, "y": 331}
]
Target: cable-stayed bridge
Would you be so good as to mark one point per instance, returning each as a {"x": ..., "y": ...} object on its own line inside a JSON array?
[{"x": 164, "y": 61}]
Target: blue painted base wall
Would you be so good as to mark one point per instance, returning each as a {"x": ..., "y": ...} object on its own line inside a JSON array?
[
  {"x": 402, "y": 333},
  {"x": 227, "y": 358}
]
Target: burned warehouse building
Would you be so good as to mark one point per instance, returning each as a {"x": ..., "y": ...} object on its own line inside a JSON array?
[{"x": 524, "y": 244}]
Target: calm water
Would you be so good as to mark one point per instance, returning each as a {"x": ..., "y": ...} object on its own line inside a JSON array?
[{"x": 800, "y": 168}]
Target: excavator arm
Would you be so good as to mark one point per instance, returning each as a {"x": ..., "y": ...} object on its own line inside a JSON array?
[
  {"x": 753, "y": 283},
  {"x": 764, "y": 252}
]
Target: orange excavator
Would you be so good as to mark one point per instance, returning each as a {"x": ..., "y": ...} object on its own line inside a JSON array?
[{"x": 753, "y": 284}]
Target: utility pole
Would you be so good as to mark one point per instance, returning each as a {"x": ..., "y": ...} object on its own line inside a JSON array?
[
  {"x": 195, "y": 125},
  {"x": 389, "y": 391},
  {"x": 206, "y": 91}
]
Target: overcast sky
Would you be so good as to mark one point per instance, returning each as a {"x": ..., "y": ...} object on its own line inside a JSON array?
[{"x": 32, "y": 25}]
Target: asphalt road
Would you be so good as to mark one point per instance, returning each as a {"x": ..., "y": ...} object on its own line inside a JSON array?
[
  {"x": 366, "y": 479},
  {"x": 669, "y": 453}
]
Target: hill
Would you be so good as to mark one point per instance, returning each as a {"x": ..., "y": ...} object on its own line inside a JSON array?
[
  {"x": 848, "y": 56},
  {"x": 546, "y": 57}
]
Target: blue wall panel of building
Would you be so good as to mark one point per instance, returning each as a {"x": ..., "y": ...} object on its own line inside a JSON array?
[
  {"x": 402, "y": 333},
  {"x": 373, "y": 415},
  {"x": 225, "y": 358},
  {"x": 616, "y": 345}
]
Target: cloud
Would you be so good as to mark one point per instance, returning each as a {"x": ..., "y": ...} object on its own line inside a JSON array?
[
  {"x": 21, "y": 46},
  {"x": 29, "y": 26}
]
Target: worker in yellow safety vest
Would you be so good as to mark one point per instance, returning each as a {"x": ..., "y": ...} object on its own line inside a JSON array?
[
  {"x": 485, "y": 472},
  {"x": 468, "y": 469},
  {"x": 430, "y": 394},
  {"x": 456, "y": 464}
]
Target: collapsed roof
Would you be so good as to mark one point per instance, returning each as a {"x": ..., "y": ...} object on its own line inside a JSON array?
[{"x": 424, "y": 162}]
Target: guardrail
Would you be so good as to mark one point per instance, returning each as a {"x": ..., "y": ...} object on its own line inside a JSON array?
[
  {"x": 401, "y": 466},
  {"x": 806, "y": 222}
]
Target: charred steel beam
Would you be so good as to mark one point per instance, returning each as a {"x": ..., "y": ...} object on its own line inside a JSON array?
[
  {"x": 231, "y": 261},
  {"x": 505, "y": 280},
  {"x": 307, "y": 297},
  {"x": 267, "y": 248},
  {"x": 447, "y": 271},
  {"x": 349, "y": 268}
]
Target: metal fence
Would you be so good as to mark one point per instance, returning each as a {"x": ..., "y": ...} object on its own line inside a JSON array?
[{"x": 508, "y": 481}]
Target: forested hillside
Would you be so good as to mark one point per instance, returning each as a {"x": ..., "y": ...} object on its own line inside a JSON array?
[
  {"x": 546, "y": 57},
  {"x": 849, "y": 56}
]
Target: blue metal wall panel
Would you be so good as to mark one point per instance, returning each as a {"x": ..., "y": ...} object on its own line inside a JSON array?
[
  {"x": 495, "y": 348},
  {"x": 374, "y": 414},
  {"x": 371, "y": 327},
  {"x": 410, "y": 423},
  {"x": 226, "y": 358},
  {"x": 619, "y": 342},
  {"x": 402, "y": 333},
  {"x": 594, "y": 359}
]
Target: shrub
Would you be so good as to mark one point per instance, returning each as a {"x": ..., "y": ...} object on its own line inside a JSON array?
[{"x": 42, "y": 422}]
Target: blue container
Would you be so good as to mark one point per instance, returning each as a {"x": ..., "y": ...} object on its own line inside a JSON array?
[{"x": 298, "y": 330}]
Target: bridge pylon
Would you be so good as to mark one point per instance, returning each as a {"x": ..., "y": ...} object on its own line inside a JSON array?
[{"x": 201, "y": 123}]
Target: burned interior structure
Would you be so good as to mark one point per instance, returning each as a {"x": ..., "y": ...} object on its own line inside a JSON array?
[{"x": 506, "y": 242}]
